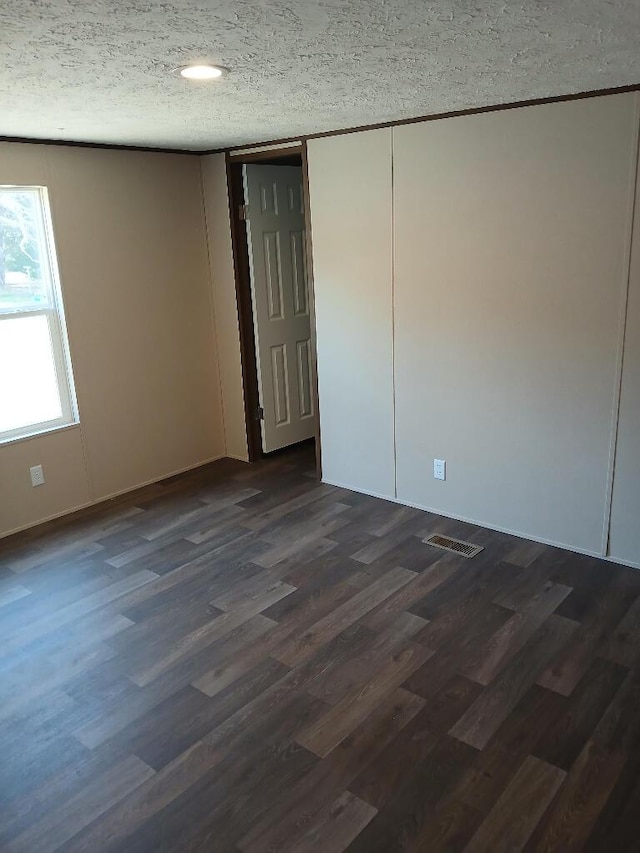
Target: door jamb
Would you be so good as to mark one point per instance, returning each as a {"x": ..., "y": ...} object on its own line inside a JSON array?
[
  {"x": 243, "y": 292},
  {"x": 306, "y": 196},
  {"x": 245, "y": 309}
]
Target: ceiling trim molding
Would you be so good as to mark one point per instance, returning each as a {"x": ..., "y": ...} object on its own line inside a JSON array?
[
  {"x": 533, "y": 102},
  {"x": 109, "y": 146},
  {"x": 291, "y": 145},
  {"x": 299, "y": 139}
]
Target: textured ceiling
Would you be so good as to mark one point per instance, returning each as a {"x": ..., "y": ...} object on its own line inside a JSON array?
[{"x": 98, "y": 70}]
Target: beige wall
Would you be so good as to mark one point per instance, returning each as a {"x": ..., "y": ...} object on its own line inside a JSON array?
[
  {"x": 511, "y": 240},
  {"x": 67, "y": 480},
  {"x": 130, "y": 237},
  {"x": 350, "y": 195},
  {"x": 214, "y": 182}
]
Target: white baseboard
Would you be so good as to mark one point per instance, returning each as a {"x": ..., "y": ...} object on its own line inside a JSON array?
[
  {"x": 475, "y": 522},
  {"x": 159, "y": 479},
  {"x": 109, "y": 497}
]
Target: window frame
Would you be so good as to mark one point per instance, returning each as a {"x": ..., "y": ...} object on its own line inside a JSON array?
[{"x": 56, "y": 325}]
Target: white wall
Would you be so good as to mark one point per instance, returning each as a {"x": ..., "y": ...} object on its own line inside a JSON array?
[
  {"x": 511, "y": 240},
  {"x": 511, "y": 233},
  {"x": 350, "y": 196},
  {"x": 130, "y": 237},
  {"x": 214, "y": 182}
]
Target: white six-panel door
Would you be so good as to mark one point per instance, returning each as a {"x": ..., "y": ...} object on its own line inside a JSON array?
[{"x": 277, "y": 262}]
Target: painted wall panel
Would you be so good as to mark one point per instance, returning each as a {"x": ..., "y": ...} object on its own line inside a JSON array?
[
  {"x": 350, "y": 195},
  {"x": 624, "y": 541},
  {"x": 511, "y": 233}
]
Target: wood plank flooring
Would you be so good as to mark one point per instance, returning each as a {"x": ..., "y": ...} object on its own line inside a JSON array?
[{"x": 243, "y": 659}]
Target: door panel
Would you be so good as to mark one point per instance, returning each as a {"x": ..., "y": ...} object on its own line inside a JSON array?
[
  {"x": 304, "y": 378},
  {"x": 279, "y": 289}
]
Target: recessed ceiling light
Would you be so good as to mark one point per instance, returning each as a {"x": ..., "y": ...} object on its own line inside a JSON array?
[{"x": 201, "y": 72}]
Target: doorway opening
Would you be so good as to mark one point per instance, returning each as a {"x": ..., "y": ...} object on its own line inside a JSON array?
[{"x": 269, "y": 211}]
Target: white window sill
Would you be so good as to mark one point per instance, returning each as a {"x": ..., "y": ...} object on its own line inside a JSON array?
[{"x": 38, "y": 433}]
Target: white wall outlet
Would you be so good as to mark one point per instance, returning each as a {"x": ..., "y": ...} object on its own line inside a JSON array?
[
  {"x": 439, "y": 469},
  {"x": 37, "y": 475}
]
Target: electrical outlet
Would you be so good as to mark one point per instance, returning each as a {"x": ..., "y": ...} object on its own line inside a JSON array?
[
  {"x": 439, "y": 469},
  {"x": 37, "y": 475}
]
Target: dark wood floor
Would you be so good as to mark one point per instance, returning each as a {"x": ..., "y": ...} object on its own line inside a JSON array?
[{"x": 243, "y": 659}]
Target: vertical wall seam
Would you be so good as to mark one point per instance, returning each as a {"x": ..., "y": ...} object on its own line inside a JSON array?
[
  {"x": 393, "y": 321},
  {"x": 622, "y": 333},
  {"x": 212, "y": 303}
]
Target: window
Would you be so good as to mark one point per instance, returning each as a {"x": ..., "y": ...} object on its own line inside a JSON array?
[{"x": 36, "y": 385}]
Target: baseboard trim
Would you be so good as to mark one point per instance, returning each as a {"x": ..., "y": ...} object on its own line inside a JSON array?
[
  {"x": 109, "y": 497},
  {"x": 517, "y": 533},
  {"x": 160, "y": 479}
]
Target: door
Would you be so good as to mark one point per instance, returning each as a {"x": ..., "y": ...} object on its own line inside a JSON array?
[{"x": 277, "y": 265}]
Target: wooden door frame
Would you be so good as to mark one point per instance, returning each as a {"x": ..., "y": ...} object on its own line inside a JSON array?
[{"x": 234, "y": 164}]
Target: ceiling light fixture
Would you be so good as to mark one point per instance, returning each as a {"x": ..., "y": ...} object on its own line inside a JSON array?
[{"x": 200, "y": 72}]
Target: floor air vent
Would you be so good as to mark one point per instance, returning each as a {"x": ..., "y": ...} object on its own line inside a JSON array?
[{"x": 456, "y": 546}]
